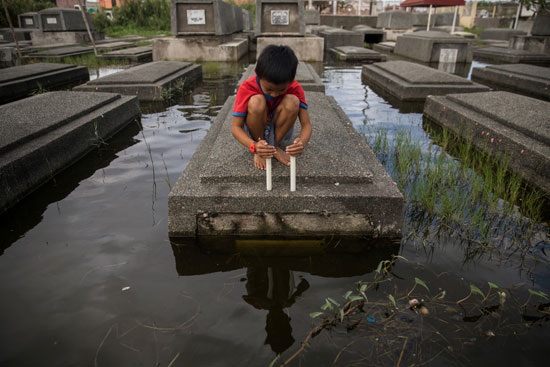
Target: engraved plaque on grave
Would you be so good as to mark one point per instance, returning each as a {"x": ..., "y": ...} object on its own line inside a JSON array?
[
  {"x": 280, "y": 18},
  {"x": 448, "y": 55},
  {"x": 196, "y": 16}
]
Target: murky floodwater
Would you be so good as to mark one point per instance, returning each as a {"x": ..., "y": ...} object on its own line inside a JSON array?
[{"x": 89, "y": 276}]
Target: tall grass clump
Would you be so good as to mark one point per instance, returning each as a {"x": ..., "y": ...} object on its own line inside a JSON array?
[
  {"x": 148, "y": 14},
  {"x": 16, "y": 7}
]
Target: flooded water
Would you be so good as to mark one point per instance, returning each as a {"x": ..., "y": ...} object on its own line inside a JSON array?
[{"x": 90, "y": 278}]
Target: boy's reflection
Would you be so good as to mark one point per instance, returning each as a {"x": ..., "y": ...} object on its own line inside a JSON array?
[{"x": 272, "y": 289}]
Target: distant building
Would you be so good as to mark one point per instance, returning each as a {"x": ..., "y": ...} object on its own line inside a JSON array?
[{"x": 109, "y": 4}]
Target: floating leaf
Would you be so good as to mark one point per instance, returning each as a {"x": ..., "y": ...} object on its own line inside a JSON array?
[
  {"x": 539, "y": 293},
  {"x": 380, "y": 264},
  {"x": 421, "y": 282},
  {"x": 333, "y": 302},
  {"x": 363, "y": 288},
  {"x": 400, "y": 257},
  {"x": 341, "y": 315},
  {"x": 493, "y": 285},
  {"x": 475, "y": 289},
  {"x": 364, "y": 296},
  {"x": 442, "y": 295},
  {"x": 392, "y": 300},
  {"x": 348, "y": 293},
  {"x": 315, "y": 314},
  {"x": 355, "y": 298}
]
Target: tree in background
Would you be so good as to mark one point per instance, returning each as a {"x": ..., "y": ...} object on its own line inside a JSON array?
[{"x": 16, "y": 7}]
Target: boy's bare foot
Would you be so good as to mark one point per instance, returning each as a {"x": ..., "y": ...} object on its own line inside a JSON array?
[
  {"x": 259, "y": 162},
  {"x": 282, "y": 157}
]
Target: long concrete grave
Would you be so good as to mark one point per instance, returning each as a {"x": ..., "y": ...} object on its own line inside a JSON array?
[
  {"x": 386, "y": 47},
  {"x": 370, "y": 35},
  {"x": 61, "y": 53},
  {"x": 44, "y": 134},
  {"x": 134, "y": 54},
  {"x": 529, "y": 80},
  {"x": 305, "y": 75},
  {"x": 335, "y": 37},
  {"x": 342, "y": 189},
  {"x": 501, "y": 123},
  {"x": 21, "y": 81},
  {"x": 502, "y": 34},
  {"x": 148, "y": 81},
  {"x": 113, "y": 46},
  {"x": 433, "y": 46},
  {"x": 500, "y": 55},
  {"x": 412, "y": 82},
  {"x": 357, "y": 54},
  {"x": 309, "y": 48}
]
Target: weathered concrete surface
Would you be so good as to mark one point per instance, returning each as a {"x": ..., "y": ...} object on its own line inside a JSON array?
[
  {"x": 308, "y": 48},
  {"x": 392, "y": 34},
  {"x": 335, "y": 37},
  {"x": 535, "y": 44},
  {"x": 205, "y": 17},
  {"x": 370, "y": 35},
  {"x": 348, "y": 21},
  {"x": 21, "y": 34},
  {"x": 359, "y": 54},
  {"x": 280, "y": 18},
  {"x": 529, "y": 80},
  {"x": 448, "y": 29},
  {"x": 134, "y": 54},
  {"x": 541, "y": 25},
  {"x": 22, "y": 81},
  {"x": 341, "y": 187},
  {"x": 411, "y": 82},
  {"x": 445, "y": 19},
  {"x": 44, "y": 134},
  {"x": 312, "y": 17},
  {"x": 504, "y": 124},
  {"x": 492, "y": 22},
  {"x": 199, "y": 48},
  {"x": 387, "y": 47},
  {"x": 41, "y": 38},
  {"x": 305, "y": 75},
  {"x": 113, "y": 46},
  {"x": 61, "y": 53},
  {"x": 500, "y": 34},
  {"x": 63, "y": 20},
  {"x": 148, "y": 81},
  {"x": 396, "y": 19},
  {"x": 497, "y": 55},
  {"x": 432, "y": 46},
  {"x": 9, "y": 57},
  {"x": 29, "y": 20}
]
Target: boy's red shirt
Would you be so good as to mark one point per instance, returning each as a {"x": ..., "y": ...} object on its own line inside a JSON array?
[{"x": 251, "y": 87}]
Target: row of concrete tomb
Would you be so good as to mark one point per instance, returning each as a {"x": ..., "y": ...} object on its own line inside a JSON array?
[{"x": 42, "y": 134}]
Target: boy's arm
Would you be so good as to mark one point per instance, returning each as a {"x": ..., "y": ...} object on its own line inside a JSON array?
[
  {"x": 262, "y": 149},
  {"x": 300, "y": 143}
]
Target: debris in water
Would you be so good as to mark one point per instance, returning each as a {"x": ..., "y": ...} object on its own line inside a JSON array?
[{"x": 125, "y": 289}]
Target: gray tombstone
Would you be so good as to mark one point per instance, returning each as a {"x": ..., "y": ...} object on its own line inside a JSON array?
[
  {"x": 280, "y": 18},
  {"x": 541, "y": 25},
  {"x": 248, "y": 23},
  {"x": 63, "y": 20},
  {"x": 396, "y": 19},
  {"x": 29, "y": 20},
  {"x": 204, "y": 17},
  {"x": 445, "y": 19},
  {"x": 312, "y": 17}
]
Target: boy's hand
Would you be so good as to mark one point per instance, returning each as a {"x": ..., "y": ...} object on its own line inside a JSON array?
[
  {"x": 264, "y": 150},
  {"x": 297, "y": 148}
]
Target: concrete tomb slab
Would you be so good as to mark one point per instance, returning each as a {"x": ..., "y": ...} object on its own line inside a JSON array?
[
  {"x": 360, "y": 54},
  {"x": 433, "y": 46},
  {"x": 63, "y": 20},
  {"x": 501, "y": 34},
  {"x": 113, "y": 46},
  {"x": 541, "y": 25},
  {"x": 308, "y": 48},
  {"x": 497, "y": 55},
  {"x": 342, "y": 189},
  {"x": 61, "y": 53},
  {"x": 396, "y": 19},
  {"x": 335, "y": 37},
  {"x": 348, "y": 21},
  {"x": 503, "y": 124},
  {"x": 280, "y": 18},
  {"x": 535, "y": 44},
  {"x": 312, "y": 17},
  {"x": 21, "y": 81},
  {"x": 205, "y": 17},
  {"x": 305, "y": 75},
  {"x": 44, "y": 134},
  {"x": 370, "y": 35},
  {"x": 529, "y": 80},
  {"x": 29, "y": 20},
  {"x": 386, "y": 47},
  {"x": 412, "y": 82},
  {"x": 147, "y": 81},
  {"x": 41, "y": 38},
  {"x": 21, "y": 34},
  {"x": 134, "y": 54},
  {"x": 200, "y": 48}
]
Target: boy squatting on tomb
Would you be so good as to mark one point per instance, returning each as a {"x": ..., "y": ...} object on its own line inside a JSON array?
[{"x": 266, "y": 108}]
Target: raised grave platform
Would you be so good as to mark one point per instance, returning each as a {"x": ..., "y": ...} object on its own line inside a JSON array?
[
  {"x": 502, "y": 34},
  {"x": 529, "y": 80},
  {"x": 21, "y": 81},
  {"x": 113, "y": 46},
  {"x": 412, "y": 82},
  {"x": 433, "y": 46},
  {"x": 147, "y": 81},
  {"x": 386, "y": 47},
  {"x": 21, "y": 34},
  {"x": 370, "y": 35},
  {"x": 348, "y": 21},
  {"x": 305, "y": 75},
  {"x": 497, "y": 55},
  {"x": 341, "y": 189},
  {"x": 44, "y": 134},
  {"x": 358, "y": 54},
  {"x": 41, "y": 38},
  {"x": 200, "y": 48},
  {"x": 134, "y": 54},
  {"x": 61, "y": 53},
  {"x": 335, "y": 37},
  {"x": 308, "y": 48},
  {"x": 501, "y": 123},
  {"x": 536, "y": 44}
]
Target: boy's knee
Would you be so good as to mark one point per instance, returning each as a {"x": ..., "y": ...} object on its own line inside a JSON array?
[
  {"x": 257, "y": 105},
  {"x": 291, "y": 103}
]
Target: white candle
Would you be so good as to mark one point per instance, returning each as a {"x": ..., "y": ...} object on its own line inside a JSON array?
[
  {"x": 292, "y": 173},
  {"x": 268, "y": 173}
]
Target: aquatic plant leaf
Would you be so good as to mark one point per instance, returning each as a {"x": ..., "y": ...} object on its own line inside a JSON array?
[
  {"x": 421, "y": 282},
  {"x": 380, "y": 264},
  {"x": 348, "y": 293},
  {"x": 493, "y": 285},
  {"x": 341, "y": 315},
  {"x": 364, "y": 296},
  {"x": 356, "y": 298},
  {"x": 333, "y": 302},
  {"x": 475, "y": 289},
  {"x": 392, "y": 300},
  {"x": 275, "y": 360},
  {"x": 538, "y": 293},
  {"x": 315, "y": 314},
  {"x": 363, "y": 288},
  {"x": 442, "y": 294}
]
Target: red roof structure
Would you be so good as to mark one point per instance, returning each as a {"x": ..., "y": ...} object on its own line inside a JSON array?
[{"x": 434, "y": 3}]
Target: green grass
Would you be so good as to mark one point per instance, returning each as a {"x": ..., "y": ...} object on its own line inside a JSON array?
[
  {"x": 89, "y": 60},
  {"x": 119, "y": 31}
]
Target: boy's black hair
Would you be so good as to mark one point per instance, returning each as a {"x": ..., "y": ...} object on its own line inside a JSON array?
[{"x": 277, "y": 64}]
